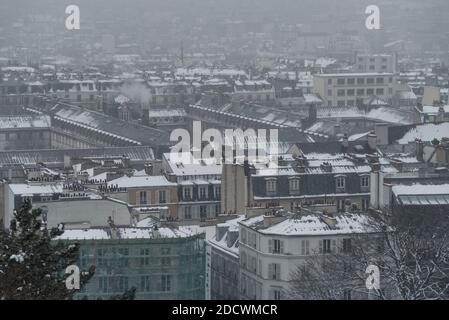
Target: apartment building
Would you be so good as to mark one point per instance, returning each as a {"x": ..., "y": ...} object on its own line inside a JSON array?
[
  {"x": 376, "y": 63},
  {"x": 161, "y": 263},
  {"x": 224, "y": 266},
  {"x": 199, "y": 187},
  {"x": 146, "y": 192},
  {"x": 253, "y": 90},
  {"x": 351, "y": 89},
  {"x": 273, "y": 245}
]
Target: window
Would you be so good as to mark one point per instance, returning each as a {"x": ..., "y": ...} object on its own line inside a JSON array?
[
  {"x": 217, "y": 192},
  {"x": 122, "y": 284},
  {"x": 341, "y": 81},
  {"x": 275, "y": 246},
  {"x": 340, "y": 103},
  {"x": 162, "y": 196},
  {"x": 145, "y": 257},
  {"x": 305, "y": 250},
  {"x": 203, "y": 212},
  {"x": 351, "y": 92},
  {"x": 341, "y": 92},
  {"x": 340, "y": 182},
  {"x": 360, "y": 80},
  {"x": 165, "y": 282},
  {"x": 187, "y": 193},
  {"x": 102, "y": 257},
  {"x": 369, "y": 91},
  {"x": 293, "y": 185},
  {"x": 360, "y": 92},
  {"x": 380, "y": 91},
  {"x": 123, "y": 253},
  {"x": 276, "y": 294},
  {"x": 370, "y": 80},
  {"x": 217, "y": 209},
  {"x": 142, "y": 197},
  {"x": 325, "y": 246},
  {"x": 165, "y": 261},
  {"x": 165, "y": 251},
  {"x": 188, "y": 213},
  {"x": 351, "y": 81},
  {"x": 145, "y": 283},
  {"x": 364, "y": 181},
  {"x": 271, "y": 186},
  {"x": 202, "y": 192},
  {"x": 274, "y": 271},
  {"x": 329, "y": 81},
  {"x": 347, "y": 245},
  {"x": 103, "y": 284},
  {"x": 329, "y": 92}
]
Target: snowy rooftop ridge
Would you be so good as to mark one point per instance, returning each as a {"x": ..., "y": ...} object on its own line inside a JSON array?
[
  {"x": 313, "y": 225},
  {"x": 127, "y": 233},
  {"x": 421, "y": 189}
]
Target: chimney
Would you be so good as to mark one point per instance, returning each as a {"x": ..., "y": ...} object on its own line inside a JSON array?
[
  {"x": 220, "y": 231},
  {"x": 419, "y": 150},
  {"x": 372, "y": 141},
  {"x": 155, "y": 233},
  {"x": 149, "y": 169},
  {"x": 272, "y": 218},
  {"x": 232, "y": 236},
  {"x": 329, "y": 219}
]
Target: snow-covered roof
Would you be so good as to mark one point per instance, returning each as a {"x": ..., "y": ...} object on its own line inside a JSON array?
[
  {"x": 426, "y": 132},
  {"x": 421, "y": 189},
  {"x": 29, "y": 189},
  {"x": 189, "y": 168},
  {"x": 126, "y": 234},
  {"x": 313, "y": 224},
  {"x": 141, "y": 181},
  {"x": 20, "y": 122}
]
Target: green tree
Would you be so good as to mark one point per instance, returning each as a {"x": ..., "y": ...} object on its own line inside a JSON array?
[{"x": 32, "y": 264}]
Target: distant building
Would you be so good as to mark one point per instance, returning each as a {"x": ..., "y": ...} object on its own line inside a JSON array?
[
  {"x": 161, "y": 263},
  {"x": 273, "y": 245},
  {"x": 146, "y": 192},
  {"x": 350, "y": 89},
  {"x": 199, "y": 187},
  {"x": 224, "y": 261},
  {"x": 25, "y": 132},
  {"x": 260, "y": 91},
  {"x": 383, "y": 63}
]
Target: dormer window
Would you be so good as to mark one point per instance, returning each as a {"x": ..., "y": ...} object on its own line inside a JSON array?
[
  {"x": 271, "y": 185},
  {"x": 364, "y": 181},
  {"x": 202, "y": 192},
  {"x": 293, "y": 184},
  {"x": 340, "y": 183},
  {"x": 187, "y": 193}
]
